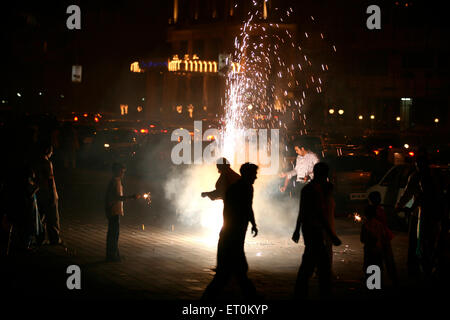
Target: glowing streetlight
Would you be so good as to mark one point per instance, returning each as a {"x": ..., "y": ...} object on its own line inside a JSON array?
[
  {"x": 372, "y": 116},
  {"x": 249, "y": 107},
  {"x": 406, "y": 146},
  {"x": 341, "y": 112},
  {"x": 436, "y": 120},
  {"x": 19, "y": 95},
  {"x": 360, "y": 117},
  {"x": 331, "y": 111},
  {"x": 397, "y": 119}
]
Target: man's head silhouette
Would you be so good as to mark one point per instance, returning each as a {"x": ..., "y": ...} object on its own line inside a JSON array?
[
  {"x": 321, "y": 171},
  {"x": 248, "y": 172},
  {"x": 222, "y": 164}
]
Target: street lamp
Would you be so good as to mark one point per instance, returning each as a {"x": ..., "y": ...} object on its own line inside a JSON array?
[
  {"x": 331, "y": 111},
  {"x": 436, "y": 120},
  {"x": 341, "y": 112},
  {"x": 397, "y": 119},
  {"x": 372, "y": 116},
  {"x": 360, "y": 117}
]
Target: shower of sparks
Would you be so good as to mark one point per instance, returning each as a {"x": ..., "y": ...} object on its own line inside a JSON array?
[
  {"x": 270, "y": 80},
  {"x": 268, "y": 91}
]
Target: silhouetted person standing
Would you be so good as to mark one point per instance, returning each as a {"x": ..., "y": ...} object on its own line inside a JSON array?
[
  {"x": 237, "y": 213},
  {"x": 226, "y": 179},
  {"x": 316, "y": 219},
  {"x": 114, "y": 209},
  {"x": 47, "y": 196}
]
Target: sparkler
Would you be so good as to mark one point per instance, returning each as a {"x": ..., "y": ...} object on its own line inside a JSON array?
[{"x": 147, "y": 196}]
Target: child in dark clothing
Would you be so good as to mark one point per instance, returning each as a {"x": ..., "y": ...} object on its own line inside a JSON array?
[{"x": 376, "y": 237}]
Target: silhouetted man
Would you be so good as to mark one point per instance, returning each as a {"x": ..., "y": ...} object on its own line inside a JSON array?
[
  {"x": 316, "y": 218},
  {"x": 237, "y": 213},
  {"x": 226, "y": 179}
]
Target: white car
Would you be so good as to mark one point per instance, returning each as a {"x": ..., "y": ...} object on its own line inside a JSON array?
[{"x": 392, "y": 185}]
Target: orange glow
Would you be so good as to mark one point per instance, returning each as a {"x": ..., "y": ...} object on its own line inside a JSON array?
[
  {"x": 192, "y": 65},
  {"x": 96, "y": 119},
  {"x": 85, "y": 115},
  {"x": 152, "y": 126},
  {"x": 144, "y": 130},
  {"x": 411, "y": 154},
  {"x": 376, "y": 152},
  {"x": 210, "y": 138},
  {"x": 390, "y": 147},
  {"x": 75, "y": 119},
  {"x": 134, "y": 67}
]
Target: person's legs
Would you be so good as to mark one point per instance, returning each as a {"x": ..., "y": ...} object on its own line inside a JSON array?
[
  {"x": 247, "y": 286},
  {"x": 305, "y": 272},
  {"x": 53, "y": 227},
  {"x": 324, "y": 270},
  {"x": 413, "y": 264},
  {"x": 217, "y": 284},
  {"x": 112, "y": 239}
]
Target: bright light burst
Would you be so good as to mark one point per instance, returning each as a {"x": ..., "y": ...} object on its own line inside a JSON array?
[{"x": 275, "y": 76}]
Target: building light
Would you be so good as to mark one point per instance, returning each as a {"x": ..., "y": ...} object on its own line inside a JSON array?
[
  {"x": 341, "y": 112},
  {"x": 397, "y": 119},
  {"x": 436, "y": 120},
  {"x": 123, "y": 109},
  {"x": 175, "y": 11},
  {"x": 406, "y": 99},
  {"x": 406, "y": 146},
  {"x": 19, "y": 95},
  {"x": 331, "y": 111},
  {"x": 195, "y": 64},
  {"x": 372, "y": 116},
  {"x": 360, "y": 117},
  {"x": 134, "y": 67},
  {"x": 265, "y": 10}
]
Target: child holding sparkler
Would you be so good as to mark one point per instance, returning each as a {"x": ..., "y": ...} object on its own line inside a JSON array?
[{"x": 376, "y": 237}]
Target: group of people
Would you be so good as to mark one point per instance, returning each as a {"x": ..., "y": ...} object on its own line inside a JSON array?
[
  {"x": 427, "y": 231},
  {"x": 315, "y": 219},
  {"x": 31, "y": 216}
]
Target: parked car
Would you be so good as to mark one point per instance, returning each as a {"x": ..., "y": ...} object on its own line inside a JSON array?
[{"x": 110, "y": 145}]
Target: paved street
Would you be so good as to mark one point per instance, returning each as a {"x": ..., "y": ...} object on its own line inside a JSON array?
[{"x": 169, "y": 261}]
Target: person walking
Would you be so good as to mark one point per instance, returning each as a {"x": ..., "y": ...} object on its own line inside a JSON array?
[
  {"x": 316, "y": 220},
  {"x": 237, "y": 213}
]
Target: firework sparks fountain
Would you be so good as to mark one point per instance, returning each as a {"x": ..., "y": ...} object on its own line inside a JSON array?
[{"x": 267, "y": 90}]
